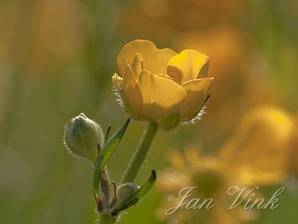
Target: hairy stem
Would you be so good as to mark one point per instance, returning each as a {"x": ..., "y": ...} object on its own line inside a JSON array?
[
  {"x": 106, "y": 219},
  {"x": 140, "y": 154}
]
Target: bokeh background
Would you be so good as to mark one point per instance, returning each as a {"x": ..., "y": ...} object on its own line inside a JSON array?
[{"x": 57, "y": 58}]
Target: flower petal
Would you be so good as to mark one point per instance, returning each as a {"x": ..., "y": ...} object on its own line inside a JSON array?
[
  {"x": 154, "y": 59},
  {"x": 161, "y": 98},
  {"x": 137, "y": 65},
  {"x": 130, "y": 93},
  {"x": 188, "y": 65},
  {"x": 197, "y": 93}
]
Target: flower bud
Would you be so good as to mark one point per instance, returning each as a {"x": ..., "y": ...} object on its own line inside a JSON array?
[
  {"x": 82, "y": 137},
  {"x": 124, "y": 191}
]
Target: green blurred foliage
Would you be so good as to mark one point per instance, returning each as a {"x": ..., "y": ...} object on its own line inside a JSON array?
[{"x": 56, "y": 60}]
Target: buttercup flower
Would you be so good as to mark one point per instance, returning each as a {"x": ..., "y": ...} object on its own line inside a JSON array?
[{"x": 160, "y": 85}]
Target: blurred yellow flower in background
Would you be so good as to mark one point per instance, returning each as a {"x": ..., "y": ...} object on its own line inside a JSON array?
[
  {"x": 209, "y": 175},
  {"x": 161, "y": 85},
  {"x": 259, "y": 148},
  {"x": 256, "y": 155}
]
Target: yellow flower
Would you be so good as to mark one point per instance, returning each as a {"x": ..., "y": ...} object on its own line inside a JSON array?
[
  {"x": 160, "y": 85},
  {"x": 255, "y": 155},
  {"x": 260, "y": 147},
  {"x": 207, "y": 173}
]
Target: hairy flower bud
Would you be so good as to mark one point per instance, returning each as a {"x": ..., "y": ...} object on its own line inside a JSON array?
[
  {"x": 124, "y": 191},
  {"x": 82, "y": 137}
]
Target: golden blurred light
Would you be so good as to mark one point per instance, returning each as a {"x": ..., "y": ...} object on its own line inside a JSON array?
[
  {"x": 59, "y": 26},
  {"x": 8, "y": 19},
  {"x": 165, "y": 18},
  {"x": 225, "y": 46},
  {"x": 41, "y": 35},
  {"x": 58, "y": 33}
]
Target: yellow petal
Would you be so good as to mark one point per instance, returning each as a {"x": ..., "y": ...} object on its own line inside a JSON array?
[
  {"x": 154, "y": 59},
  {"x": 197, "y": 93},
  {"x": 137, "y": 65},
  {"x": 188, "y": 65},
  {"x": 257, "y": 153},
  {"x": 161, "y": 98},
  {"x": 130, "y": 93}
]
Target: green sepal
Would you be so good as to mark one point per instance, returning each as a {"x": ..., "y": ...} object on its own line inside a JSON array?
[
  {"x": 125, "y": 206},
  {"x": 135, "y": 198},
  {"x": 105, "y": 154}
]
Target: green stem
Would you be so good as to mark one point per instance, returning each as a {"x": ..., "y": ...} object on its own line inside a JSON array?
[
  {"x": 106, "y": 219},
  {"x": 140, "y": 153}
]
